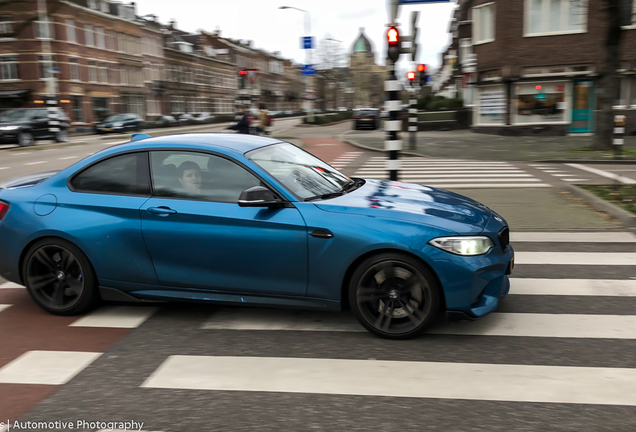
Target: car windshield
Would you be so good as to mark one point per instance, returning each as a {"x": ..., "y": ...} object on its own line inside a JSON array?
[
  {"x": 301, "y": 173},
  {"x": 117, "y": 117},
  {"x": 14, "y": 115}
]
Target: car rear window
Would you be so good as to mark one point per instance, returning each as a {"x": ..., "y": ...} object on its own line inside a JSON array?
[
  {"x": 368, "y": 113},
  {"x": 125, "y": 175}
]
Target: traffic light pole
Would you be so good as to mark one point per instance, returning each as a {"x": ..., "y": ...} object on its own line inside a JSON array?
[
  {"x": 413, "y": 119},
  {"x": 393, "y": 124}
]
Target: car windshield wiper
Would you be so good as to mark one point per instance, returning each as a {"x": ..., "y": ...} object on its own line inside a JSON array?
[
  {"x": 351, "y": 185},
  {"x": 326, "y": 196}
]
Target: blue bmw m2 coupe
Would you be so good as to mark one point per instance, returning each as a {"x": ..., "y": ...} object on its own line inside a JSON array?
[{"x": 248, "y": 220}]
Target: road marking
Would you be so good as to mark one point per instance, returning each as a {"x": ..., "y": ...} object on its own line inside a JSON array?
[
  {"x": 274, "y": 319},
  {"x": 573, "y": 237},
  {"x": 605, "y": 174},
  {"x": 4, "y": 168},
  {"x": 19, "y": 154},
  {"x": 4, "y": 306},
  {"x": 10, "y": 285},
  {"x": 575, "y": 179},
  {"x": 573, "y": 287},
  {"x": 68, "y": 157},
  {"x": 473, "y": 381},
  {"x": 116, "y": 317},
  {"x": 480, "y": 175},
  {"x": 407, "y": 171},
  {"x": 36, "y": 163},
  {"x": 488, "y": 185},
  {"x": 546, "y": 325},
  {"x": 576, "y": 258},
  {"x": 46, "y": 367}
]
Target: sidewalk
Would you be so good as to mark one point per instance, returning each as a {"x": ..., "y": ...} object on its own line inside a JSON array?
[{"x": 469, "y": 145}]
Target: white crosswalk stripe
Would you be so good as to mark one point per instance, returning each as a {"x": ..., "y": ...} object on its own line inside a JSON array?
[
  {"x": 528, "y": 382},
  {"x": 343, "y": 160},
  {"x": 453, "y": 173}
]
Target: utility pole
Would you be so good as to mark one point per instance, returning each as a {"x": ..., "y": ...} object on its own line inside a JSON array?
[{"x": 51, "y": 80}]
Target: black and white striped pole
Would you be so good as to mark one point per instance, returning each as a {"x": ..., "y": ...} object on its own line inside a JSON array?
[
  {"x": 392, "y": 88},
  {"x": 619, "y": 135},
  {"x": 413, "y": 118}
]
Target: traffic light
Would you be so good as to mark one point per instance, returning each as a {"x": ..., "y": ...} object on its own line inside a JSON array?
[
  {"x": 411, "y": 77},
  {"x": 395, "y": 44},
  {"x": 423, "y": 70},
  {"x": 242, "y": 76}
]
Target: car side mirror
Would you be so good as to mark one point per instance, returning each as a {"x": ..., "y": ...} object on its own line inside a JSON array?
[{"x": 259, "y": 196}]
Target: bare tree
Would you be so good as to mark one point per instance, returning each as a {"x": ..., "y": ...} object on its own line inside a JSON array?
[
  {"x": 618, "y": 14},
  {"x": 329, "y": 53}
]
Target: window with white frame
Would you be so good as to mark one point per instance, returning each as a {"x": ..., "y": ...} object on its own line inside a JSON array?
[
  {"x": 123, "y": 75},
  {"x": 92, "y": 71},
  {"x": 90, "y": 37},
  {"x": 484, "y": 23},
  {"x": 46, "y": 63},
  {"x": 74, "y": 68},
  {"x": 121, "y": 42},
  {"x": 92, "y": 4},
  {"x": 621, "y": 96},
  {"x": 104, "y": 6},
  {"x": 70, "y": 31},
  {"x": 43, "y": 29},
  {"x": 555, "y": 16},
  {"x": 103, "y": 73},
  {"x": 114, "y": 75},
  {"x": 6, "y": 25},
  {"x": 9, "y": 67},
  {"x": 100, "y": 38}
]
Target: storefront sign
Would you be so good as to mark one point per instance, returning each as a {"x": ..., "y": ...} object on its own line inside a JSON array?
[{"x": 492, "y": 102}]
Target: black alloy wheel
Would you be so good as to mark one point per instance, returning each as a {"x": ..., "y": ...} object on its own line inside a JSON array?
[
  {"x": 394, "y": 296},
  {"x": 61, "y": 136},
  {"x": 25, "y": 139},
  {"x": 59, "y": 277}
]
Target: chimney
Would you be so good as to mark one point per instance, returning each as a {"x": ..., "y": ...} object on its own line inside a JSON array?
[
  {"x": 250, "y": 43},
  {"x": 218, "y": 31},
  {"x": 173, "y": 23}
]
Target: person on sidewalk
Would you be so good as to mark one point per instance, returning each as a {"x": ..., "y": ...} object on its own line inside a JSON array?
[
  {"x": 264, "y": 119},
  {"x": 244, "y": 126}
]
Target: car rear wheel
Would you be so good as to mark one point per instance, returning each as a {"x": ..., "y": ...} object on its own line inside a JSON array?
[
  {"x": 61, "y": 136},
  {"x": 394, "y": 296},
  {"x": 59, "y": 277},
  {"x": 25, "y": 139}
]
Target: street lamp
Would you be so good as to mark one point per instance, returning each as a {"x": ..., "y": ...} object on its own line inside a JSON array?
[{"x": 310, "y": 88}]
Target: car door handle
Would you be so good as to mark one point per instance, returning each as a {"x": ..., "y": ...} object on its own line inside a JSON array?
[
  {"x": 161, "y": 210},
  {"x": 321, "y": 233}
]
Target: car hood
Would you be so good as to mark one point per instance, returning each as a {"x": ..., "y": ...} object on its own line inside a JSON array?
[
  {"x": 413, "y": 203},
  {"x": 27, "y": 180},
  {"x": 13, "y": 123}
]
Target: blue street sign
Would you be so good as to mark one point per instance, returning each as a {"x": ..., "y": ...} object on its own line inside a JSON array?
[
  {"x": 307, "y": 42},
  {"x": 55, "y": 70},
  {"x": 309, "y": 70},
  {"x": 422, "y": 1}
]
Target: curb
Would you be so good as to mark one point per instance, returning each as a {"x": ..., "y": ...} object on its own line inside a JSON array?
[
  {"x": 590, "y": 161},
  {"x": 357, "y": 144},
  {"x": 627, "y": 219},
  {"x": 324, "y": 124}
]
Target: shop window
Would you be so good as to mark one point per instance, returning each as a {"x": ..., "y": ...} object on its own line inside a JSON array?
[
  {"x": 492, "y": 105},
  {"x": 555, "y": 16},
  {"x": 541, "y": 103},
  {"x": 76, "y": 109}
]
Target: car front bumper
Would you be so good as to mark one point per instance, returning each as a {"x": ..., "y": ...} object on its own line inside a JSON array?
[
  {"x": 8, "y": 137},
  {"x": 473, "y": 286}
]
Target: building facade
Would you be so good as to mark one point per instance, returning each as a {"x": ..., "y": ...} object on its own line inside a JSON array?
[
  {"x": 367, "y": 77},
  {"x": 532, "y": 66}
]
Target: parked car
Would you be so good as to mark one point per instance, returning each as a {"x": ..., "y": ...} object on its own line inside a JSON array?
[
  {"x": 288, "y": 112},
  {"x": 203, "y": 217},
  {"x": 120, "y": 123},
  {"x": 343, "y": 109},
  {"x": 203, "y": 117},
  {"x": 186, "y": 119},
  {"x": 366, "y": 118},
  {"x": 23, "y": 126},
  {"x": 164, "y": 121}
]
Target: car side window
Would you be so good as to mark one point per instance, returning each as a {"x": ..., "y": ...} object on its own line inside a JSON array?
[
  {"x": 199, "y": 176},
  {"x": 125, "y": 175}
]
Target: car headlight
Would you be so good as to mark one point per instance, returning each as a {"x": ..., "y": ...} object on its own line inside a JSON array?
[
  {"x": 466, "y": 246},
  {"x": 118, "y": 124},
  {"x": 9, "y": 127}
]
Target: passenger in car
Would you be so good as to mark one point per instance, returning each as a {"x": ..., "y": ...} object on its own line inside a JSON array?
[{"x": 190, "y": 177}]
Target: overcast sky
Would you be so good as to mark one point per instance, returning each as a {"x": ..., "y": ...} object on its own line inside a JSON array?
[{"x": 280, "y": 30}]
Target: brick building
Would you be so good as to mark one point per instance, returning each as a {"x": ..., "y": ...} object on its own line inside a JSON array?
[{"x": 537, "y": 64}]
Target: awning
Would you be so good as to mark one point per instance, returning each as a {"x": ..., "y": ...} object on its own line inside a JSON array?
[{"x": 14, "y": 93}]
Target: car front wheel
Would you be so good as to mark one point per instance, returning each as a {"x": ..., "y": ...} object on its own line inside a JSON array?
[
  {"x": 25, "y": 139},
  {"x": 394, "y": 296},
  {"x": 61, "y": 136},
  {"x": 59, "y": 277}
]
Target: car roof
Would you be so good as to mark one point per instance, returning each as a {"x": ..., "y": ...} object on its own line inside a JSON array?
[{"x": 239, "y": 143}]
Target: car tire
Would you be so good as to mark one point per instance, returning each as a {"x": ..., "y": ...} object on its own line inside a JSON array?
[
  {"x": 61, "y": 136},
  {"x": 394, "y": 295},
  {"x": 59, "y": 277},
  {"x": 25, "y": 139}
]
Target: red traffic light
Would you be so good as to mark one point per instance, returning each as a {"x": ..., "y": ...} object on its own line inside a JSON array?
[
  {"x": 421, "y": 67},
  {"x": 242, "y": 72},
  {"x": 410, "y": 76},
  {"x": 393, "y": 35}
]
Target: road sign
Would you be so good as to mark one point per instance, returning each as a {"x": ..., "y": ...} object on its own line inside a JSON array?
[
  {"x": 307, "y": 42},
  {"x": 55, "y": 70},
  {"x": 309, "y": 70}
]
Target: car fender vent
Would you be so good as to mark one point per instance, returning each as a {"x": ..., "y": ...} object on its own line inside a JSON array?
[{"x": 504, "y": 238}]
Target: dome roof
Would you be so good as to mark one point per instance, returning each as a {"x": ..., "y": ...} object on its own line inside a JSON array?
[{"x": 362, "y": 44}]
